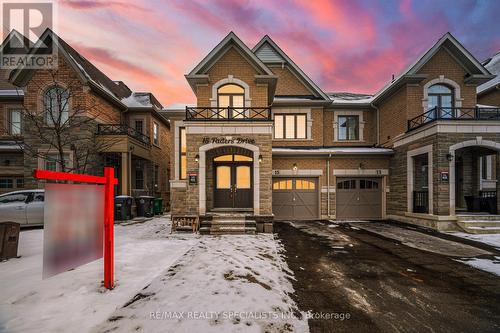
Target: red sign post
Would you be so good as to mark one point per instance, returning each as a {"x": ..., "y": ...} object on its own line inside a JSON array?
[{"x": 108, "y": 181}]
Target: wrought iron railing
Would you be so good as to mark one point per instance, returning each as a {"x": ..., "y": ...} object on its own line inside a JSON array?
[
  {"x": 421, "y": 202},
  {"x": 228, "y": 114},
  {"x": 439, "y": 113},
  {"x": 121, "y": 129}
]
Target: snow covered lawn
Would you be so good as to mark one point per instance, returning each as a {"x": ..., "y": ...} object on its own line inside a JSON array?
[
  {"x": 223, "y": 284},
  {"x": 490, "y": 239},
  {"x": 241, "y": 280}
]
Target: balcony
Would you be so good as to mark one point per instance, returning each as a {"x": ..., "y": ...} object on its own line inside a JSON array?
[
  {"x": 227, "y": 114},
  {"x": 120, "y": 129},
  {"x": 439, "y": 113}
]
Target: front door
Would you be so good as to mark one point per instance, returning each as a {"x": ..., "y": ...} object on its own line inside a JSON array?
[{"x": 233, "y": 185}]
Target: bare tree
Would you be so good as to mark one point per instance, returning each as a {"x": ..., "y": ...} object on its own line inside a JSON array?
[{"x": 65, "y": 120}]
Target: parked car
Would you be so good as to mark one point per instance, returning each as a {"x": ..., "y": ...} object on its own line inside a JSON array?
[{"x": 24, "y": 207}]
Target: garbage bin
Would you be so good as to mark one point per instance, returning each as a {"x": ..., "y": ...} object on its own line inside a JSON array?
[
  {"x": 158, "y": 206},
  {"x": 144, "y": 206},
  {"x": 473, "y": 203},
  {"x": 123, "y": 208},
  {"x": 9, "y": 239}
]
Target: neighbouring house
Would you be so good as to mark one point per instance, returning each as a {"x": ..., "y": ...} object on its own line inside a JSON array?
[
  {"x": 264, "y": 142},
  {"x": 106, "y": 123}
]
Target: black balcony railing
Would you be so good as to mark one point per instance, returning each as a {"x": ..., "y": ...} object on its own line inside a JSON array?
[
  {"x": 421, "y": 202},
  {"x": 439, "y": 113},
  {"x": 120, "y": 129},
  {"x": 228, "y": 114}
]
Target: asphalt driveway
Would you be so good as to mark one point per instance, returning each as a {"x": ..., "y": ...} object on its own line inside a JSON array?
[{"x": 372, "y": 283}]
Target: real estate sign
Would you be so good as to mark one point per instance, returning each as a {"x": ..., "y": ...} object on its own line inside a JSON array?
[{"x": 73, "y": 226}]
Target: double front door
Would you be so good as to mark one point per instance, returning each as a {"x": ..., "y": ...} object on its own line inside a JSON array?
[{"x": 233, "y": 185}]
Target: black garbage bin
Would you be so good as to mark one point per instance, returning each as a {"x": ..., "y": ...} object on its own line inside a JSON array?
[
  {"x": 9, "y": 239},
  {"x": 473, "y": 203},
  {"x": 123, "y": 208},
  {"x": 144, "y": 206}
]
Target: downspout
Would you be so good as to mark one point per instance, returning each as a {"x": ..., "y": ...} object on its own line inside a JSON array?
[
  {"x": 378, "y": 122},
  {"x": 328, "y": 185}
]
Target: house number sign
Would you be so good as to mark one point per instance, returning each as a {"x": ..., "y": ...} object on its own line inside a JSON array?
[{"x": 227, "y": 140}]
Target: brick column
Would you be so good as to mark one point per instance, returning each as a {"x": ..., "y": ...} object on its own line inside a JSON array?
[{"x": 498, "y": 181}]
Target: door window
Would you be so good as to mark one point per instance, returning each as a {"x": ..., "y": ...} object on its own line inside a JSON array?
[
  {"x": 243, "y": 177},
  {"x": 223, "y": 177},
  {"x": 346, "y": 184}
]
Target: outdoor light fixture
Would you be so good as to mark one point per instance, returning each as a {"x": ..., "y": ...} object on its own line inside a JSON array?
[
  {"x": 197, "y": 158},
  {"x": 294, "y": 167},
  {"x": 260, "y": 158},
  {"x": 449, "y": 157}
]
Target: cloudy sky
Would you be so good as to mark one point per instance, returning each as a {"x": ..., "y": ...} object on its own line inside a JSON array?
[{"x": 350, "y": 45}]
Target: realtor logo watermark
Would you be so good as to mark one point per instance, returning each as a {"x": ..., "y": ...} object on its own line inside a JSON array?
[{"x": 27, "y": 42}]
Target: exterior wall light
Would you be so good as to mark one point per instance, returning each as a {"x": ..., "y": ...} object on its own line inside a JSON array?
[
  {"x": 197, "y": 158},
  {"x": 260, "y": 158},
  {"x": 449, "y": 157},
  {"x": 294, "y": 167}
]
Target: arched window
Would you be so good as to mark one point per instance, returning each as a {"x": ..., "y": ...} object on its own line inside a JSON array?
[
  {"x": 441, "y": 96},
  {"x": 56, "y": 105},
  {"x": 231, "y": 96}
]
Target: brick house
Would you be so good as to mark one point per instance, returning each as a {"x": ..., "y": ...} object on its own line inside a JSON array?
[
  {"x": 265, "y": 142},
  {"x": 115, "y": 126}
]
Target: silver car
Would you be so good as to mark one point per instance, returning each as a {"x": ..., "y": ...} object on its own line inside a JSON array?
[{"x": 24, "y": 207}]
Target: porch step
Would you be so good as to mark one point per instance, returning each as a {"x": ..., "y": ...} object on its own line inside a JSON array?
[
  {"x": 479, "y": 224},
  {"x": 228, "y": 225}
]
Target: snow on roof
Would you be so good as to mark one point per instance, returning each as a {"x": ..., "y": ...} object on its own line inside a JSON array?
[
  {"x": 179, "y": 106},
  {"x": 137, "y": 100},
  {"x": 493, "y": 66},
  {"x": 333, "y": 151},
  {"x": 347, "y": 98},
  {"x": 13, "y": 92},
  {"x": 486, "y": 106}
]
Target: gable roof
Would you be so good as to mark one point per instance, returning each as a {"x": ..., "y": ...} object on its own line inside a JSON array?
[
  {"x": 477, "y": 72},
  {"x": 230, "y": 40},
  {"x": 493, "y": 66},
  {"x": 270, "y": 52}
]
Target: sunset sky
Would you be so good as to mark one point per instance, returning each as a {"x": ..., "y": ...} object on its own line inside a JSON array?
[{"x": 351, "y": 45}]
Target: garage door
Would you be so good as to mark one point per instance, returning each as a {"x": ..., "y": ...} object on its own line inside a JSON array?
[
  {"x": 359, "y": 198},
  {"x": 295, "y": 198}
]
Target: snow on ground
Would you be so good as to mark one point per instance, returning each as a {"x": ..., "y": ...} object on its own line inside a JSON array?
[
  {"x": 155, "y": 272},
  {"x": 487, "y": 265},
  {"x": 74, "y": 301},
  {"x": 223, "y": 284},
  {"x": 489, "y": 239}
]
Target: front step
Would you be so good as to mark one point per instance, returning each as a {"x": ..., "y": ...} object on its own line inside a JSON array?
[
  {"x": 228, "y": 224},
  {"x": 479, "y": 224}
]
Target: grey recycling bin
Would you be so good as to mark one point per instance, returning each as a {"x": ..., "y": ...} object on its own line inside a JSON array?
[
  {"x": 144, "y": 206},
  {"x": 9, "y": 239},
  {"x": 123, "y": 208}
]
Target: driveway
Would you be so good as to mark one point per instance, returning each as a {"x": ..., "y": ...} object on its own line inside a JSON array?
[{"x": 380, "y": 283}]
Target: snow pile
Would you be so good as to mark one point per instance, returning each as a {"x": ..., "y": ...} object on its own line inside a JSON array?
[
  {"x": 484, "y": 264},
  {"x": 489, "y": 239},
  {"x": 223, "y": 284},
  {"x": 75, "y": 300}
]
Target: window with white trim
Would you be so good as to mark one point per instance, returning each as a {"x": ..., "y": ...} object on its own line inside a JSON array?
[
  {"x": 56, "y": 105},
  {"x": 348, "y": 128},
  {"x": 15, "y": 122},
  {"x": 156, "y": 139}
]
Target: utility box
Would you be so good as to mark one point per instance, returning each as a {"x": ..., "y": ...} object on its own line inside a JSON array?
[
  {"x": 144, "y": 206},
  {"x": 9, "y": 240},
  {"x": 123, "y": 208}
]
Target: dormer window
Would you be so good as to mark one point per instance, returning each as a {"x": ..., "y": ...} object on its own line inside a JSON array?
[{"x": 231, "y": 96}]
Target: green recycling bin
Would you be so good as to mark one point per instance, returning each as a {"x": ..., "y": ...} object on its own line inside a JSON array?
[{"x": 158, "y": 206}]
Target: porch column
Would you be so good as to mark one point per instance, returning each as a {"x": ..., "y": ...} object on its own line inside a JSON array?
[{"x": 125, "y": 167}]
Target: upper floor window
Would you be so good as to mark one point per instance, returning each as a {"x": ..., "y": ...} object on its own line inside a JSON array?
[
  {"x": 230, "y": 96},
  {"x": 15, "y": 122},
  {"x": 440, "y": 96},
  {"x": 290, "y": 126},
  {"x": 139, "y": 126},
  {"x": 56, "y": 105},
  {"x": 155, "y": 134},
  {"x": 348, "y": 127}
]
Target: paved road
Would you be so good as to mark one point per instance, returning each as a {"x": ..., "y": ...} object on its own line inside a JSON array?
[{"x": 384, "y": 285}]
